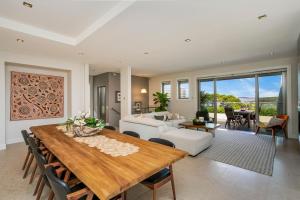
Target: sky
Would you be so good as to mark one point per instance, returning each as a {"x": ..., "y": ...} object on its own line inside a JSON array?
[{"x": 269, "y": 86}]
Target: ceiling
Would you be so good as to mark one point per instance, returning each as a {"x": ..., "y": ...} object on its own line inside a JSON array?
[{"x": 113, "y": 34}]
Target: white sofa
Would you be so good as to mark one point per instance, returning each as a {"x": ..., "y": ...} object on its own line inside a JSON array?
[
  {"x": 172, "y": 122},
  {"x": 191, "y": 141}
]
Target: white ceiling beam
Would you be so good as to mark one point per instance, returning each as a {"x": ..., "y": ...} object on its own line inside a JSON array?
[
  {"x": 34, "y": 31},
  {"x": 43, "y": 33},
  {"x": 108, "y": 16}
]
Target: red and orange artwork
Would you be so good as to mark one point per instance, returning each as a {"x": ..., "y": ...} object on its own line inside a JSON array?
[{"x": 35, "y": 96}]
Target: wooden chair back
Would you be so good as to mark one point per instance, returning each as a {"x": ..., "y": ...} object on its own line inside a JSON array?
[{"x": 285, "y": 118}]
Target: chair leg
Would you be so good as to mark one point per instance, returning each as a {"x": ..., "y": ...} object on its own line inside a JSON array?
[
  {"x": 26, "y": 159},
  {"x": 50, "y": 159},
  {"x": 40, "y": 191},
  {"x": 273, "y": 133},
  {"x": 154, "y": 193},
  {"x": 285, "y": 133},
  {"x": 51, "y": 195},
  {"x": 90, "y": 196},
  {"x": 257, "y": 130},
  {"x": 28, "y": 166},
  {"x": 33, "y": 173},
  {"x": 37, "y": 185}
]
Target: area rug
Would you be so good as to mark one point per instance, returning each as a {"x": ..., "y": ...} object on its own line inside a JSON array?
[{"x": 244, "y": 150}]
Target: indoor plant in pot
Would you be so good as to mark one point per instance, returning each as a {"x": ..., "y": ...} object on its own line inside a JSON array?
[{"x": 162, "y": 100}]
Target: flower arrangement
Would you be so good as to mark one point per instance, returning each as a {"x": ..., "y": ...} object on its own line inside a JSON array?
[{"x": 84, "y": 119}]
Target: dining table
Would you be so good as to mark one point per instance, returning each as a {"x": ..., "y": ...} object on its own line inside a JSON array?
[
  {"x": 105, "y": 175},
  {"x": 246, "y": 114}
]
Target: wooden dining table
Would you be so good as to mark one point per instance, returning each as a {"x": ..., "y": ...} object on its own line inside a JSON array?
[{"x": 104, "y": 175}]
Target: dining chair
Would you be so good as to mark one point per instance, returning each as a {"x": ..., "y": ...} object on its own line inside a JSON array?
[
  {"x": 231, "y": 117},
  {"x": 110, "y": 128},
  {"x": 162, "y": 177},
  {"x": 64, "y": 191},
  {"x": 41, "y": 161},
  {"x": 29, "y": 155},
  {"x": 131, "y": 133}
]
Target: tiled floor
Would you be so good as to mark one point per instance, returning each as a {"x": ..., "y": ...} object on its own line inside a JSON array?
[{"x": 196, "y": 178}]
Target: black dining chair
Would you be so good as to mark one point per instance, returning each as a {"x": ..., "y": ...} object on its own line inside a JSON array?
[
  {"x": 41, "y": 161},
  {"x": 62, "y": 191},
  {"x": 162, "y": 141},
  {"x": 29, "y": 156},
  {"x": 232, "y": 117},
  {"x": 132, "y": 133},
  {"x": 162, "y": 177},
  {"x": 110, "y": 128}
]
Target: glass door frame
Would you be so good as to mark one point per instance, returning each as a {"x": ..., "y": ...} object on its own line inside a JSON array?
[
  {"x": 254, "y": 75},
  {"x": 215, "y": 97}
]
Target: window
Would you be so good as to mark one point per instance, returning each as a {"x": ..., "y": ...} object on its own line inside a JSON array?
[
  {"x": 166, "y": 88},
  {"x": 183, "y": 89}
]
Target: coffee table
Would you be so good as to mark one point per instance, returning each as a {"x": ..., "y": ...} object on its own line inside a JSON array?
[{"x": 207, "y": 127}]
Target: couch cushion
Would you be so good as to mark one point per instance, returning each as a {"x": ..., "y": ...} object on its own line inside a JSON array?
[
  {"x": 188, "y": 140},
  {"x": 151, "y": 115},
  {"x": 145, "y": 121}
]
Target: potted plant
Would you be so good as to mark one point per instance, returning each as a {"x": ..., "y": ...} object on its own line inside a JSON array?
[{"x": 162, "y": 100}]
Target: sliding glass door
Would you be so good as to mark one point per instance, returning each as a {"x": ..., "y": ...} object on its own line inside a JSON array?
[
  {"x": 237, "y": 93},
  {"x": 261, "y": 94},
  {"x": 207, "y": 97},
  {"x": 272, "y": 96}
]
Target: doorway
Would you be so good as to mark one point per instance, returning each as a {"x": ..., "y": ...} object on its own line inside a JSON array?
[
  {"x": 101, "y": 114},
  {"x": 257, "y": 97}
]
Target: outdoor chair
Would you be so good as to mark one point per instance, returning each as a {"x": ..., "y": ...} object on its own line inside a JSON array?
[
  {"x": 232, "y": 118},
  {"x": 278, "y": 122}
]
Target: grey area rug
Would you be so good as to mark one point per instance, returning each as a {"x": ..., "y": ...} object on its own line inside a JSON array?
[{"x": 251, "y": 152}]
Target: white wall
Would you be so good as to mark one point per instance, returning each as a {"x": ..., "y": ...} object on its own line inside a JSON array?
[
  {"x": 188, "y": 107},
  {"x": 75, "y": 91}
]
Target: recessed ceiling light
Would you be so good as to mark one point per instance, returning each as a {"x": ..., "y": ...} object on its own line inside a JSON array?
[
  {"x": 146, "y": 53},
  {"x": 261, "y": 17},
  {"x": 80, "y": 53},
  {"x": 187, "y": 40},
  {"x": 27, "y": 4},
  {"x": 19, "y": 40}
]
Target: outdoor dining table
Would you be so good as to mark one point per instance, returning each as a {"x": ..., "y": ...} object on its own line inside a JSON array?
[
  {"x": 246, "y": 114},
  {"x": 107, "y": 176}
]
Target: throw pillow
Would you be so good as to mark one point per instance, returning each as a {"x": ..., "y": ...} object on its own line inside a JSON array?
[
  {"x": 170, "y": 116},
  {"x": 275, "y": 122},
  {"x": 176, "y": 116},
  {"x": 159, "y": 117}
]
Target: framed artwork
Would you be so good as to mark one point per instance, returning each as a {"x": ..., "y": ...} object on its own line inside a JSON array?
[
  {"x": 137, "y": 106},
  {"x": 118, "y": 97},
  {"x": 36, "y": 96}
]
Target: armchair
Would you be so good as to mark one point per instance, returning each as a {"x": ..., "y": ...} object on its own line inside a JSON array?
[{"x": 279, "y": 122}]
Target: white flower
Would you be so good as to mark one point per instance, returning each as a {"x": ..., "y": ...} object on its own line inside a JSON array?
[{"x": 79, "y": 122}]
